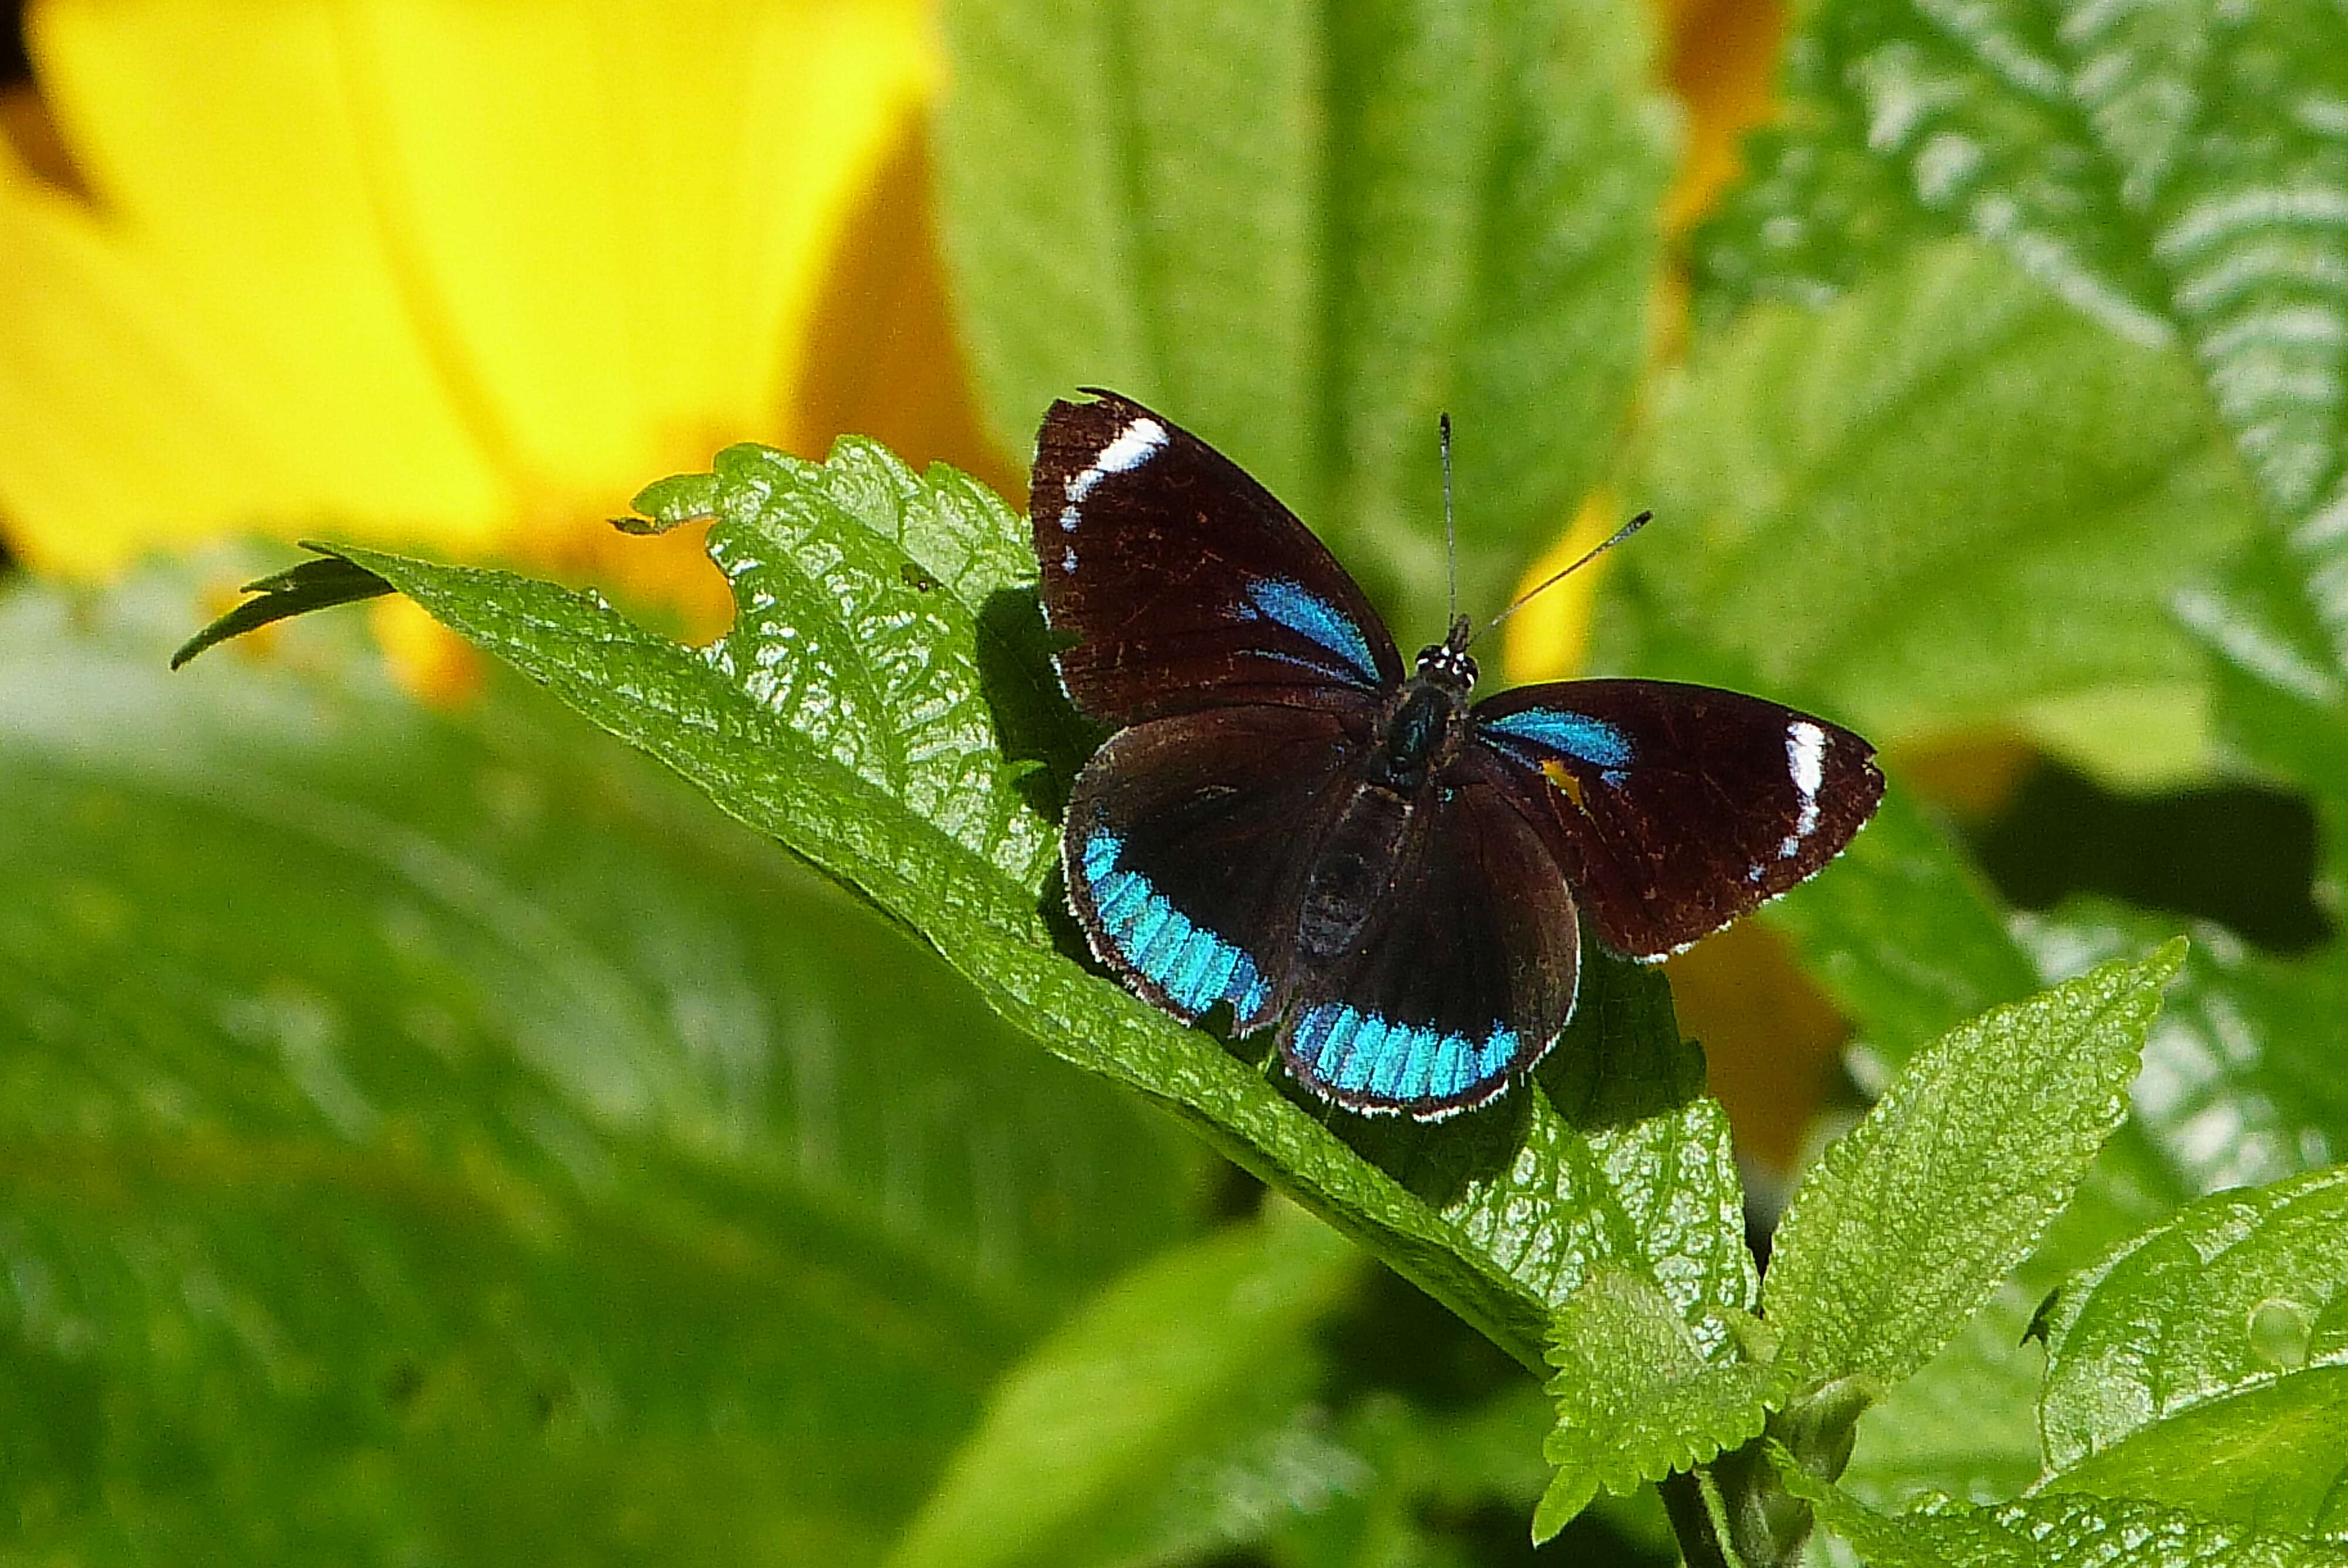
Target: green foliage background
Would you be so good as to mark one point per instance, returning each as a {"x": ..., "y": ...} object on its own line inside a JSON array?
[{"x": 444, "y": 1138}]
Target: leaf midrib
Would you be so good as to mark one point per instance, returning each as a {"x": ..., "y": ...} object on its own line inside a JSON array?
[
  {"x": 1011, "y": 917},
  {"x": 872, "y": 710}
]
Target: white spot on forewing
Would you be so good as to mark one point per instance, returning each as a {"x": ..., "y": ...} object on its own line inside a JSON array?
[
  {"x": 1069, "y": 518},
  {"x": 1140, "y": 439},
  {"x": 1129, "y": 450},
  {"x": 1805, "y": 753},
  {"x": 1069, "y": 560}
]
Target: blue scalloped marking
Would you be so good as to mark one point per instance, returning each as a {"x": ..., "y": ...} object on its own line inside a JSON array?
[
  {"x": 1193, "y": 966},
  {"x": 1363, "y": 1053}
]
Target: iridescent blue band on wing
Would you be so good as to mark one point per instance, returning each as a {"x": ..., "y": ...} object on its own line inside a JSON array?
[
  {"x": 1593, "y": 741},
  {"x": 1194, "y": 967},
  {"x": 1290, "y": 604},
  {"x": 1359, "y": 1053}
]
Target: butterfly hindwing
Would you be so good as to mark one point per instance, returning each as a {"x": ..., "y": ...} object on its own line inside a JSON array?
[
  {"x": 1186, "y": 844},
  {"x": 1675, "y": 809},
  {"x": 1185, "y": 583},
  {"x": 1463, "y": 976}
]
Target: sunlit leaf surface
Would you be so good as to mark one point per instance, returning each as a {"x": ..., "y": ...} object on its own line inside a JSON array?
[
  {"x": 1907, "y": 1223},
  {"x": 870, "y": 610},
  {"x": 2202, "y": 1365}
]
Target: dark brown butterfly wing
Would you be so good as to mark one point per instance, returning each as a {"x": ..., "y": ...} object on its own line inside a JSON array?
[
  {"x": 1464, "y": 973},
  {"x": 1187, "y": 841},
  {"x": 1675, "y": 809},
  {"x": 1185, "y": 583}
]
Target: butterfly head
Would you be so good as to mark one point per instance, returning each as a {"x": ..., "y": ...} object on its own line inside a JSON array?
[{"x": 1446, "y": 664}]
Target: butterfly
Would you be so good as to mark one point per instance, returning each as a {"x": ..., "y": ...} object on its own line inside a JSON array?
[{"x": 1290, "y": 823}]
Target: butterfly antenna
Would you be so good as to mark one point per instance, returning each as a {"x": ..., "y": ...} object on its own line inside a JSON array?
[
  {"x": 1619, "y": 535},
  {"x": 1450, "y": 530}
]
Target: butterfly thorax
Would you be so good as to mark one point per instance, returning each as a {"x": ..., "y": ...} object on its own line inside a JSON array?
[{"x": 1421, "y": 728}]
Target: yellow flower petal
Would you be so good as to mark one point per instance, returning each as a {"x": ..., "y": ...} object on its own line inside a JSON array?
[
  {"x": 31, "y": 137},
  {"x": 882, "y": 358},
  {"x": 220, "y": 147},
  {"x": 118, "y": 427},
  {"x": 624, "y": 281},
  {"x": 1547, "y": 638},
  {"x": 438, "y": 272}
]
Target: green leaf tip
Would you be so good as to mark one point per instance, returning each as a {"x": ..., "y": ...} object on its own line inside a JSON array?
[
  {"x": 670, "y": 503},
  {"x": 1907, "y": 1223},
  {"x": 1640, "y": 1394},
  {"x": 321, "y": 584}
]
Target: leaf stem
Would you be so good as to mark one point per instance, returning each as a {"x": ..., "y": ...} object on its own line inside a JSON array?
[{"x": 1698, "y": 1519}]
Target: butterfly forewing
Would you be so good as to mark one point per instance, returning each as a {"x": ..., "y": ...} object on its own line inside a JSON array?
[
  {"x": 1463, "y": 975},
  {"x": 1675, "y": 809},
  {"x": 1185, "y": 583}
]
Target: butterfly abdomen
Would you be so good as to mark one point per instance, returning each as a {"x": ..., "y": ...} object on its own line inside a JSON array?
[
  {"x": 1352, "y": 871},
  {"x": 1353, "y": 868}
]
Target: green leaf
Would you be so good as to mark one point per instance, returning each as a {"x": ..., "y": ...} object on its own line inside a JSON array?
[
  {"x": 1615, "y": 1159},
  {"x": 1908, "y": 1223},
  {"x": 1639, "y": 1396},
  {"x": 443, "y": 1129},
  {"x": 2052, "y": 1532},
  {"x": 906, "y": 646},
  {"x": 1905, "y": 938},
  {"x": 1946, "y": 502},
  {"x": 1129, "y": 1431},
  {"x": 320, "y": 584},
  {"x": 2281, "y": 699},
  {"x": 1303, "y": 230},
  {"x": 2238, "y": 1084},
  {"x": 2205, "y": 1364},
  {"x": 1966, "y": 1423},
  {"x": 2177, "y": 171}
]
